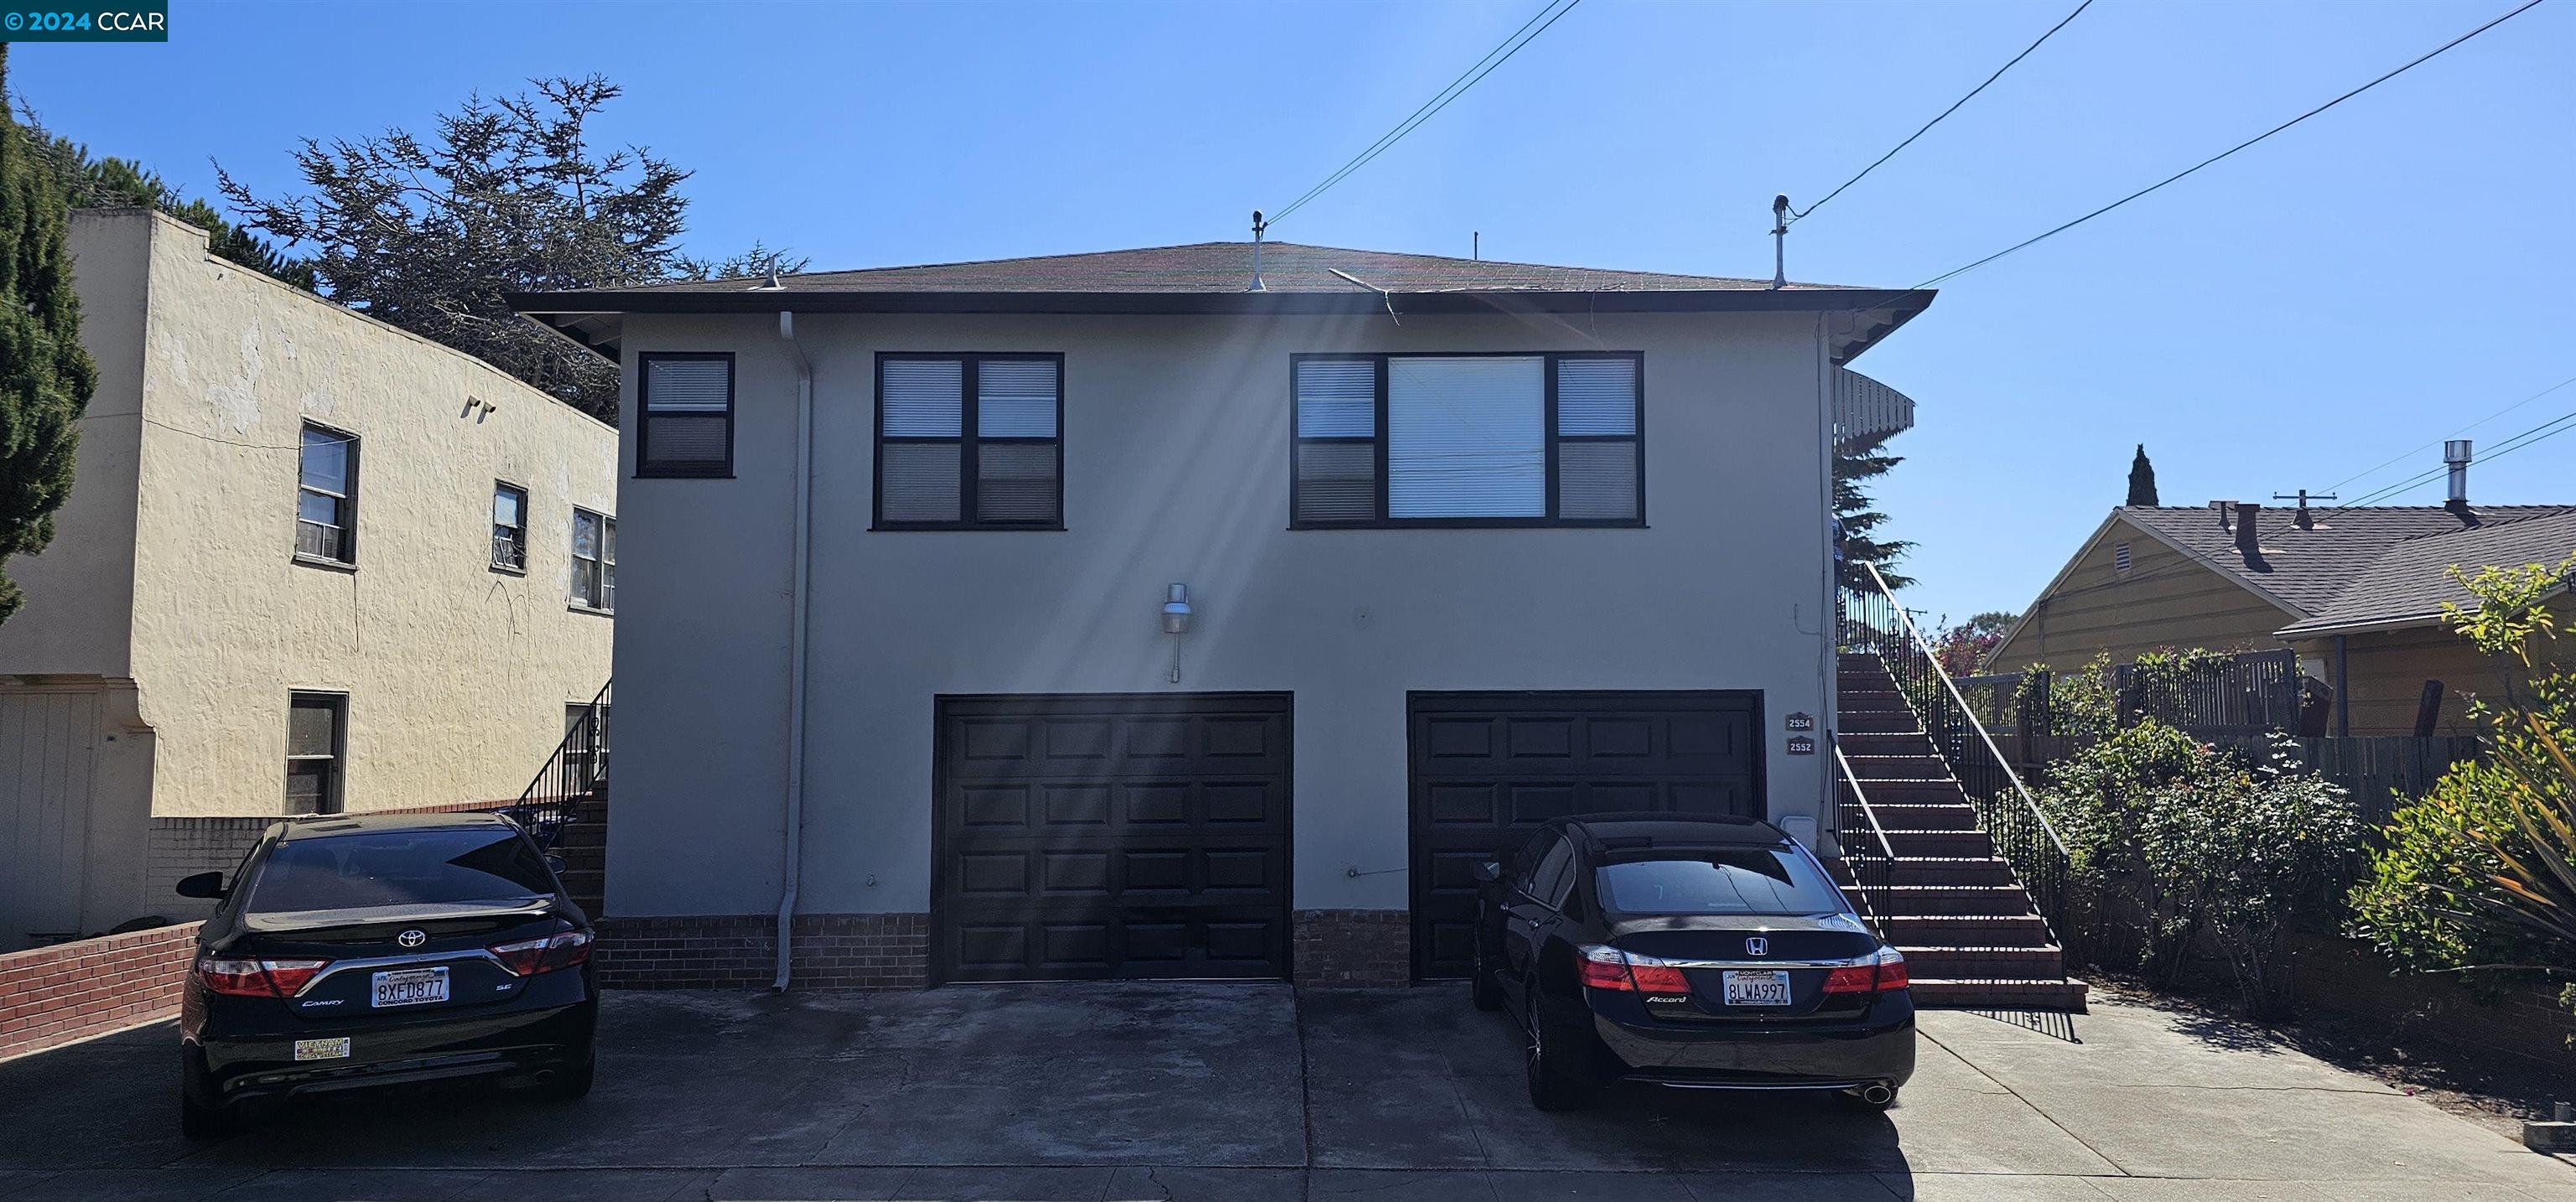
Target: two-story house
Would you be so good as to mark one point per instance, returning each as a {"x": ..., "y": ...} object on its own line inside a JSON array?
[
  {"x": 310, "y": 562},
  {"x": 1185, "y": 613}
]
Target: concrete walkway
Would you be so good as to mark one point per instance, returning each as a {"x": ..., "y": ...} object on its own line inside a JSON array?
[{"x": 1254, "y": 1092}]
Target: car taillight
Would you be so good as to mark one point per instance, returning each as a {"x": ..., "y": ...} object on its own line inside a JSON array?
[
  {"x": 257, "y": 978},
  {"x": 1603, "y": 967},
  {"x": 1884, "y": 973},
  {"x": 528, "y": 957}
]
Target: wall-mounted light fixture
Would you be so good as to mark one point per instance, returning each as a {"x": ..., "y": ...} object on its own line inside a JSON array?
[{"x": 1176, "y": 622}]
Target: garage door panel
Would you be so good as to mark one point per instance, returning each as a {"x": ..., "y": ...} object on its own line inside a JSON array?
[
  {"x": 1119, "y": 836},
  {"x": 1488, "y": 768}
]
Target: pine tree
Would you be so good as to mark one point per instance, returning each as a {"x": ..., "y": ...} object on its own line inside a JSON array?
[
  {"x": 45, "y": 376},
  {"x": 2142, "y": 481},
  {"x": 1860, "y": 460}
]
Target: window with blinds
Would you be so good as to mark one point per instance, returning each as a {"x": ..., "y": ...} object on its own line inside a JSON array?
[
  {"x": 315, "y": 746},
  {"x": 686, "y": 424},
  {"x": 970, "y": 442},
  {"x": 1468, "y": 440}
]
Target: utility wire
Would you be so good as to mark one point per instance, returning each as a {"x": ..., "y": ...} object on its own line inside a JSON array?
[
  {"x": 1800, "y": 214},
  {"x": 1496, "y": 57},
  {"x": 2544, "y": 431},
  {"x": 2428, "y": 56},
  {"x": 2453, "y": 434}
]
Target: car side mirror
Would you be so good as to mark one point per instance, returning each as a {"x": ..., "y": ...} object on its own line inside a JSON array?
[
  {"x": 557, "y": 863},
  {"x": 1489, "y": 872},
  {"x": 208, "y": 885}
]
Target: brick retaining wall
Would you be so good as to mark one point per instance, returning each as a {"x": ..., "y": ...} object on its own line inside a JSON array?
[
  {"x": 54, "y": 995},
  {"x": 740, "y": 951},
  {"x": 1354, "y": 948}
]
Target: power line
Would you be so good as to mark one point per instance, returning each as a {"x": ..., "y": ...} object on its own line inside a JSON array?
[
  {"x": 2453, "y": 434},
  {"x": 1431, "y": 108},
  {"x": 2428, "y": 56},
  {"x": 1800, "y": 214},
  {"x": 2541, "y": 433}
]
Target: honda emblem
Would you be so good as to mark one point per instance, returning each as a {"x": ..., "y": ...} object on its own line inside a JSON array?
[
  {"x": 416, "y": 937},
  {"x": 1757, "y": 946}
]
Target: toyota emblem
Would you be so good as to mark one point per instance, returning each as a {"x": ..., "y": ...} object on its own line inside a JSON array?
[
  {"x": 414, "y": 938},
  {"x": 1757, "y": 946}
]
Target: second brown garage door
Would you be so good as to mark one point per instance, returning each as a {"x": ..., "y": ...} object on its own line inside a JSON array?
[
  {"x": 1117, "y": 836},
  {"x": 1488, "y": 768}
]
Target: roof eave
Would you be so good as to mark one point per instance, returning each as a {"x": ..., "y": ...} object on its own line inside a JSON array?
[{"x": 2322, "y": 628}]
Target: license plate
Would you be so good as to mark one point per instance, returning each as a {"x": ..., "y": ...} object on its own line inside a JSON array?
[
  {"x": 1769, "y": 987},
  {"x": 322, "y": 1049},
  {"x": 410, "y": 987}
]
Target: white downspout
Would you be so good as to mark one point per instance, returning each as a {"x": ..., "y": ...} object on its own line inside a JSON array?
[
  {"x": 793, "y": 855},
  {"x": 1829, "y": 663}
]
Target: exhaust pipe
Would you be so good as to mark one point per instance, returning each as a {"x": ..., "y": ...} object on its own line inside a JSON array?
[{"x": 1876, "y": 1095}]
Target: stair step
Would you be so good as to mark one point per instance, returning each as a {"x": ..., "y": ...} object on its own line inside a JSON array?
[
  {"x": 1983, "y": 900},
  {"x": 1939, "y": 843},
  {"x": 1926, "y": 816},
  {"x": 1915, "y": 766},
  {"x": 2046, "y": 962},
  {"x": 1965, "y": 930},
  {"x": 585, "y": 834},
  {"x": 1884, "y": 743},
  {"x": 2000, "y": 995},
  {"x": 1878, "y": 722},
  {"x": 584, "y": 859},
  {"x": 1882, "y": 793},
  {"x": 583, "y": 882},
  {"x": 1951, "y": 870}
]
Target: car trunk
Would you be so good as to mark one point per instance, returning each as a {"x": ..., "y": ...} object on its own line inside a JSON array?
[
  {"x": 1785, "y": 942},
  {"x": 446, "y": 967}
]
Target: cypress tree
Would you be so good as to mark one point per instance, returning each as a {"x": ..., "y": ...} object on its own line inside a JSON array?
[
  {"x": 45, "y": 376},
  {"x": 2142, "y": 480},
  {"x": 1855, "y": 464}
]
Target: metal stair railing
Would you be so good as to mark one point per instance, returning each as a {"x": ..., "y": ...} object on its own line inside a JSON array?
[
  {"x": 577, "y": 769},
  {"x": 1862, "y": 843},
  {"x": 1872, "y": 622}
]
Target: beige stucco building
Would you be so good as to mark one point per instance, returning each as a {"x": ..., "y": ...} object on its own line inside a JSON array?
[{"x": 186, "y": 617}]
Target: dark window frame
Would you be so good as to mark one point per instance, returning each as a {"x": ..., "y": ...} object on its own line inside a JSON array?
[
  {"x": 345, "y": 502},
  {"x": 645, "y": 467},
  {"x": 1552, "y": 441},
  {"x": 335, "y": 788},
  {"x": 604, "y": 579},
  {"x": 519, "y": 533},
  {"x": 968, "y": 440}
]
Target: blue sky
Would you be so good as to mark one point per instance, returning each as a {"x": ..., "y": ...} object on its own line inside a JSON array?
[{"x": 2365, "y": 283}]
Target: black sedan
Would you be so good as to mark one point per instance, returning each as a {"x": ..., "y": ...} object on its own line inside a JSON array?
[
  {"x": 1692, "y": 952},
  {"x": 354, "y": 951}
]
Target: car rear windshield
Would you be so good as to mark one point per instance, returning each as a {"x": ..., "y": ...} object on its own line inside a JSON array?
[
  {"x": 399, "y": 868},
  {"x": 1733, "y": 880}
]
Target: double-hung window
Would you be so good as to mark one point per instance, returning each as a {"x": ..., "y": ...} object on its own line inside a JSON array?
[
  {"x": 326, "y": 497},
  {"x": 970, "y": 442},
  {"x": 1468, "y": 440},
  {"x": 316, "y": 742},
  {"x": 594, "y": 561},
  {"x": 686, "y": 428},
  {"x": 509, "y": 527}
]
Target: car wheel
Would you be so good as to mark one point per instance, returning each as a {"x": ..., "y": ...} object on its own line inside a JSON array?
[
  {"x": 1550, "y": 1086},
  {"x": 571, "y": 1083},
  {"x": 1483, "y": 987},
  {"x": 201, "y": 1114}
]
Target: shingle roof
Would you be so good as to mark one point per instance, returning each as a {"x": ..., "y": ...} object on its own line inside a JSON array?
[
  {"x": 2308, "y": 569},
  {"x": 2412, "y": 579},
  {"x": 1217, "y": 267}
]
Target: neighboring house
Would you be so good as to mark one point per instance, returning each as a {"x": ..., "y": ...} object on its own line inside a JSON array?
[
  {"x": 310, "y": 562},
  {"x": 2356, "y": 593},
  {"x": 1462, "y": 546}
]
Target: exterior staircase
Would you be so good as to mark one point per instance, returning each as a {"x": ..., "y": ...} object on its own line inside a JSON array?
[
  {"x": 583, "y": 844},
  {"x": 1970, "y": 934}
]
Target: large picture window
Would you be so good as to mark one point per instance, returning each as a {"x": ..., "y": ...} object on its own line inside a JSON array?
[
  {"x": 1468, "y": 440},
  {"x": 970, "y": 442}
]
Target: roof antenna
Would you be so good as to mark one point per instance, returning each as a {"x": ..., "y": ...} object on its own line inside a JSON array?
[
  {"x": 2305, "y": 522},
  {"x": 1478, "y": 245},
  {"x": 1779, "y": 241},
  {"x": 1259, "y": 227}
]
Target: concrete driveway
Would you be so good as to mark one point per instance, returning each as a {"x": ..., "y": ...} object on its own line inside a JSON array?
[{"x": 1254, "y": 1092}]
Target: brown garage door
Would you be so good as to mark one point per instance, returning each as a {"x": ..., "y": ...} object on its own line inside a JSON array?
[
  {"x": 1489, "y": 767},
  {"x": 1118, "y": 836}
]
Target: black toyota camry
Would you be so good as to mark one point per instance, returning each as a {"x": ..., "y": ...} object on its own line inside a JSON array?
[
  {"x": 1694, "y": 952},
  {"x": 362, "y": 950}
]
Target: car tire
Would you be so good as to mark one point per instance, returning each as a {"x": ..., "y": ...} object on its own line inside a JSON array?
[
  {"x": 1483, "y": 987},
  {"x": 201, "y": 1114},
  {"x": 573, "y": 1083},
  {"x": 1551, "y": 1086}
]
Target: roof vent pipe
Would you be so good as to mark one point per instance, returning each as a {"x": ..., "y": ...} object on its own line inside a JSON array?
[
  {"x": 1259, "y": 227},
  {"x": 2455, "y": 455},
  {"x": 1780, "y": 242},
  {"x": 2247, "y": 539}
]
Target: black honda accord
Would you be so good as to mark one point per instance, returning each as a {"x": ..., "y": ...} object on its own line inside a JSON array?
[
  {"x": 362, "y": 950},
  {"x": 1693, "y": 952}
]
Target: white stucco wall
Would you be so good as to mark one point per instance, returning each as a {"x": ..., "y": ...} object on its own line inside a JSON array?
[{"x": 1176, "y": 452}]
